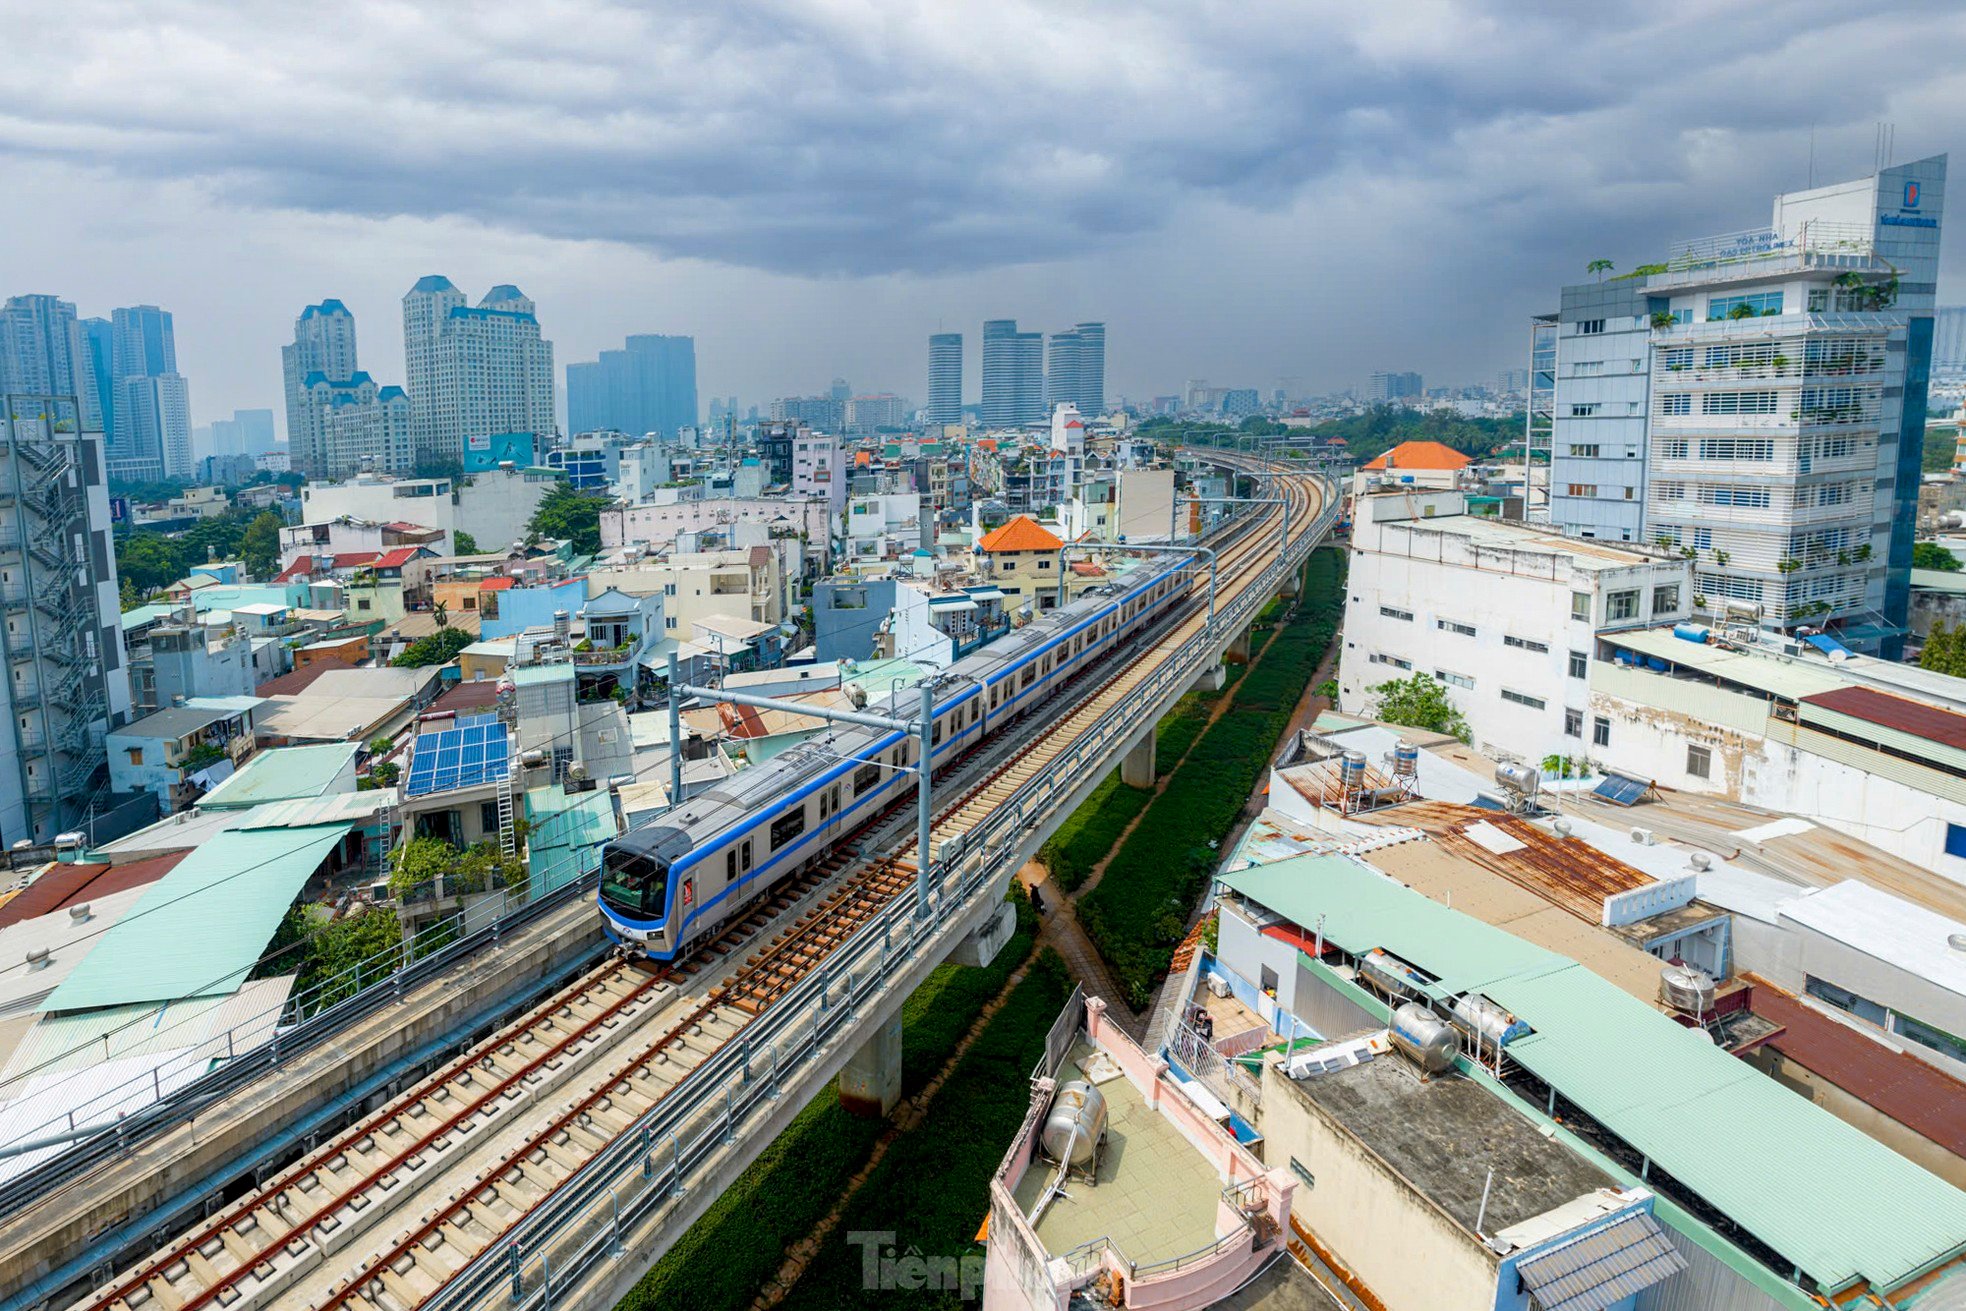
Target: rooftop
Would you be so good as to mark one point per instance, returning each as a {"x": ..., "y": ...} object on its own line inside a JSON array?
[
  {"x": 199, "y": 929},
  {"x": 283, "y": 774},
  {"x": 63, "y": 885},
  {"x": 1022, "y": 533},
  {"x": 1429, "y": 456},
  {"x": 174, "y": 723},
  {"x": 1838, "y": 1205}
]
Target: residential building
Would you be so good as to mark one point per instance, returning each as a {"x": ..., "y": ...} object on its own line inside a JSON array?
[
  {"x": 1949, "y": 341},
  {"x": 744, "y": 583},
  {"x": 945, "y": 378},
  {"x": 497, "y": 505},
  {"x": 1389, "y": 385},
  {"x": 473, "y": 371},
  {"x": 323, "y": 347},
  {"x": 1758, "y": 400},
  {"x": 590, "y": 461},
  {"x": 67, "y": 682},
  {"x": 1075, "y": 369},
  {"x": 153, "y": 425},
  {"x": 420, "y": 502},
  {"x": 44, "y": 351},
  {"x": 248, "y": 433},
  {"x": 1013, "y": 375},
  {"x": 884, "y": 526},
  {"x": 1431, "y": 465},
  {"x": 179, "y": 753},
  {"x": 182, "y": 655},
  {"x": 826, "y": 413},
  {"x": 1508, "y": 616},
  {"x": 866, "y": 415},
  {"x": 658, "y": 525},
  {"x": 1021, "y": 559},
  {"x": 1240, "y": 402},
  {"x": 352, "y": 427},
  {"x": 817, "y": 469},
  {"x": 776, "y": 441},
  {"x": 649, "y": 386}
]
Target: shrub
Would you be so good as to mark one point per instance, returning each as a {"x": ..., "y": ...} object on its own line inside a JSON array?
[{"x": 1089, "y": 833}]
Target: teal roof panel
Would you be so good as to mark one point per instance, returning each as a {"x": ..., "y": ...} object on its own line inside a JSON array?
[
  {"x": 283, "y": 774},
  {"x": 200, "y": 928}
]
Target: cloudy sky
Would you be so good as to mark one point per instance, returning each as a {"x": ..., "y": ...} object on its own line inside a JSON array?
[{"x": 1245, "y": 191}]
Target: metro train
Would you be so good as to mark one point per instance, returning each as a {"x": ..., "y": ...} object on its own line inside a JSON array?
[{"x": 677, "y": 880}]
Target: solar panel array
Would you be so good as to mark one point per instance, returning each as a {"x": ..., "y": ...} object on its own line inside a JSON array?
[
  {"x": 479, "y": 752},
  {"x": 1619, "y": 790}
]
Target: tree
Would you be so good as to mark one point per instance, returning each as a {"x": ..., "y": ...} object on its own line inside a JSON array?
[
  {"x": 570, "y": 516},
  {"x": 442, "y": 611},
  {"x": 440, "y": 648},
  {"x": 1945, "y": 650},
  {"x": 259, "y": 545},
  {"x": 1419, "y": 702},
  {"x": 1930, "y": 555},
  {"x": 463, "y": 543},
  {"x": 1599, "y": 267}
]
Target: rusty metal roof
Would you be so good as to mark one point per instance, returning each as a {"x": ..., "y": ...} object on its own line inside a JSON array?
[{"x": 1900, "y": 713}]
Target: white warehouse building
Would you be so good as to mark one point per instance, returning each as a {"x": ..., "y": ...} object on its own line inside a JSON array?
[{"x": 1505, "y": 614}]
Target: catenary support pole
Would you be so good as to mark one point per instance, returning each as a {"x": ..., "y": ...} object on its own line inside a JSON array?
[
  {"x": 675, "y": 734},
  {"x": 922, "y": 817}
]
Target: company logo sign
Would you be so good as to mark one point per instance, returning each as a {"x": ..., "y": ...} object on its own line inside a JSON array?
[{"x": 1911, "y": 195}]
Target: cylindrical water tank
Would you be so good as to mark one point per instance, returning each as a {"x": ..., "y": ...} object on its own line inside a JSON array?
[
  {"x": 1390, "y": 975},
  {"x": 1692, "y": 633},
  {"x": 1518, "y": 777},
  {"x": 1406, "y": 760},
  {"x": 1074, "y": 1124},
  {"x": 1424, "y": 1038},
  {"x": 1686, "y": 989},
  {"x": 1492, "y": 1024},
  {"x": 1351, "y": 770},
  {"x": 562, "y": 625}
]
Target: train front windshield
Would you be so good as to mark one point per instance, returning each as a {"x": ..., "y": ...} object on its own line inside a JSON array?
[{"x": 633, "y": 884}]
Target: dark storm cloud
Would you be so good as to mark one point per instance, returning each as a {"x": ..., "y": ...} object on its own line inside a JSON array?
[{"x": 835, "y": 137}]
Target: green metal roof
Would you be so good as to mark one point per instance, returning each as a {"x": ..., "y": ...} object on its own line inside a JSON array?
[
  {"x": 526, "y": 675},
  {"x": 282, "y": 774},
  {"x": 144, "y": 614},
  {"x": 567, "y": 834},
  {"x": 1837, "y": 1204},
  {"x": 200, "y": 928}
]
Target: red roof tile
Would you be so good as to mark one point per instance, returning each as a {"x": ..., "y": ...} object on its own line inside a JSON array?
[
  {"x": 71, "y": 885},
  {"x": 471, "y": 694},
  {"x": 1421, "y": 455},
  {"x": 1901, "y": 713},
  {"x": 1022, "y": 533},
  {"x": 303, "y": 565},
  {"x": 501, "y": 584},
  {"x": 356, "y": 559},
  {"x": 396, "y": 558},
  {"x": 1916, "y": 1095}
]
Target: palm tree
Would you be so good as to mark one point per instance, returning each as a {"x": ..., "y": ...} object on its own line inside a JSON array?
[
  {"x": 1599, "y": 267},
  {"x": 443, "y": 614}
]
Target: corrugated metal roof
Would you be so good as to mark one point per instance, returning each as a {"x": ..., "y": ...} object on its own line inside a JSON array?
[
  {"x": 200, "y": 928},
  {"x": 1837, "y": 1204},
  {"x": 282, "y": 774},
  {"x": 1781, "y": 678},
  {"x": 567, "y": 834},
  {"x": 335, "y": 808},
  {"x": 1602, "y": 1268},
  {"x": 226, "y": 1026},
  {"x": 1897, "y": 712},
  {"x": 23, "y": 990},
  {"x": 99, "y": 1095},
  {"x": 65, "y": 885},
  {"x": 1888, "y": 928}
]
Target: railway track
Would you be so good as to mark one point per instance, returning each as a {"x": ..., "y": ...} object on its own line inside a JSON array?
[{"x": 473, "y": 1134}]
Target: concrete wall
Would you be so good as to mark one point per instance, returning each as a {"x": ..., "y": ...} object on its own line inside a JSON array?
[{"x": 1408, "y": 1252}]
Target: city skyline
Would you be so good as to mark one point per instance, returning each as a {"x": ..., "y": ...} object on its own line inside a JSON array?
[{"x": 1277, "y": 215}]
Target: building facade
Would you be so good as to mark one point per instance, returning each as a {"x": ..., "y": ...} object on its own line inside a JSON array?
[
  {"x": 44, "y": 351},
  {"x": 945, "y": 377},
  {"x": 1757, "y": 402},
  {"x": 153, "y": 427},
  {"x": 1013, "y": 375},
  {"x": 473, "y": 371},
  {"x": 67, "y": 682},
  {"x": 1075, "y": 369},
  {"x": 323, "y": 346},
  {"x": 1392, "y": 385},
  {"x": 649, "y": 386}
]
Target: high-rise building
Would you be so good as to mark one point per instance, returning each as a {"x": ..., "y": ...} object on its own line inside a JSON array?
[
  {"x": 358, "y": 427},
  {"x": 62, "y": 635},
  {"x": 147, "y": 416},
  {"x": 870, "y": 414},
  {"x": 99, "y": 345},
  {"x": 43, "y": 351},
  {"x": 480, "y": 371},
  {"x": 1013, "y": 375},
  {"x": 1949, "y": 341},
  {"x": 841, "y": 390},
  {"x": 945, "y": 377},
  {"x": 323, "y": 346},
  {"x": 1075, "y": 371},
  {"x": 820, "y": 413},
  {"x": 1389, "y": 385},
  {"x": 650, "y": 386},
  {"x": 1760, "y": 405},
  {"x": 247, "y": 432}
]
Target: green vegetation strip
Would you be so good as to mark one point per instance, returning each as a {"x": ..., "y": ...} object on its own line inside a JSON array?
[
  {"x": 1091, "y": 831},
  {"x": 1137, "y": 913},
  {"x": 931, "y": 1190},
  {"x": 740, "y": 1242}
]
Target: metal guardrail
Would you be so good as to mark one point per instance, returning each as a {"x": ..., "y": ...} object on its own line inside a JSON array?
[
  {"x": 584, "y": 1220},
  {"x": 283, "y": 1046}
]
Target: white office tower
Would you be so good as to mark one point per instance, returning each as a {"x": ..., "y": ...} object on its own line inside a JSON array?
[
  {"x": 1757, "y": 401},
  {"x": 481, "y": 371},
  {"x": 324, "y": 347}
]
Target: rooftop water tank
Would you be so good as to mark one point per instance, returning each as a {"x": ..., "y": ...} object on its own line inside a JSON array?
[
  {"x": 1517, "y": 777},
  {"x": 1424, "y": 1038},
  {"x": 1351, "y": 770},
  {"x": 1474, "y": 1014},
  {"x": 1406, "y": 760},
  {"x": 1075, "y": 1124},
  {"x": 1686, "y": 989}
]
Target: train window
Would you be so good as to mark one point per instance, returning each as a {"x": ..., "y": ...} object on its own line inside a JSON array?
[
  {"x": 787, "y": 827},
  {"x": 633, "y": 884},
  {"x": 866, "y": 779},
  {"x": 836, "y": 798},
  {"x": 730, "y": 865},
  {"x": 822, "y": 805},
  {"x": 975, "y": 709},
  {"x": 1029, "y": 674},
  {"x": 744, "y": 855},
  {"x": 935, "y": 734}
]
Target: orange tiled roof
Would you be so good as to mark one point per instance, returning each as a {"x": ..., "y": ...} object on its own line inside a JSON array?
[
  {"x": 1420, "y": 456},
  {"x": 1022, "y": 533}
]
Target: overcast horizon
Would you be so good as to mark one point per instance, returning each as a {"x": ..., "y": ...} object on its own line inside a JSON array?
[{"x": 1241, "y": 193}]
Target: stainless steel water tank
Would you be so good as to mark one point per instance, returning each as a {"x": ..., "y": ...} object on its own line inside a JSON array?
[
  {"x": 1406, "y": 760},
  {"x": 1424, "y": 1038},
  {"x": 1074, "y": 1124},
  {"x": 1686, "y": 989},
  {"x": 1518, "y": 777},
  {"x": 1351, "y": 770}
]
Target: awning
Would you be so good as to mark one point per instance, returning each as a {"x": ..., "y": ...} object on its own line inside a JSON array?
[
  {"x": 1828, "y": 645},
  {"x": 951, "y": 603},
  {"x": 1603, "y": 1268}
]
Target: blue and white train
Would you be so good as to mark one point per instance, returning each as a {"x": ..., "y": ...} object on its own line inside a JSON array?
[{"x": 676, "y": 881}]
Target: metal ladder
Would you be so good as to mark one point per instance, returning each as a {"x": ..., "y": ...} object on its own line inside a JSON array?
[{"x": 507, "y": 840}]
